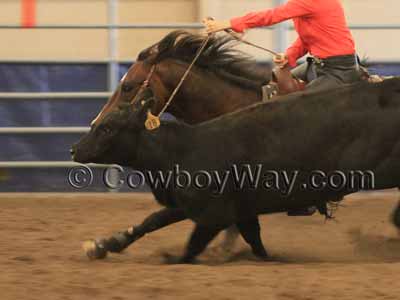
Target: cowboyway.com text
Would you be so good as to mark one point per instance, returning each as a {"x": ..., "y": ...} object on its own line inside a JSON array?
[{"x": 238, "y": 177}]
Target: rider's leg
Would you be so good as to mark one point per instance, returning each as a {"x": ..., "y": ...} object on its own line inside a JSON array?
[
  {"x": 306, "y": 71},
  {"x": 324, "y": 82},
  {"x": 330, "y": 78},
  {"x": 301, "y": 71}
]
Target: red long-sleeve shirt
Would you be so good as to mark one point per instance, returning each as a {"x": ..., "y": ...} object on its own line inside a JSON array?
[{"x": 320, "y": 24}]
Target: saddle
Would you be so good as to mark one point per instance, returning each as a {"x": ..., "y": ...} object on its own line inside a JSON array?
[{"x": 282, "y": 83}]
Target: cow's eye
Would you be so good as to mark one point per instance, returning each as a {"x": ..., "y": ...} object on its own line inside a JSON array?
[{"x": 126, "y": 88}]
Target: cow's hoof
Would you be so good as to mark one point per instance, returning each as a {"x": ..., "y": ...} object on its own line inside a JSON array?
[
  {"x": 263, "y": 258},
  {"x": 95, "y": 249},
  {"x": 261, "y": 254},
  {"x": 177, "y": 260}
]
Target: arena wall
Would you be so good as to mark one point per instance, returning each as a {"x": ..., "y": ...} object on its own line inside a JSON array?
[{"x": 92, "y": 44}]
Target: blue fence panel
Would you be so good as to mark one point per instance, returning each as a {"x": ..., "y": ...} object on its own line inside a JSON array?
[
  {"x": 37, "y": 147},
  {"x": 385, "y": 69},
  {"x": 53, "y": 77},
  {"x": 53, "y": 180},
  {"x": 60, "y": 112},
  {"x": 63, "y": 112}
]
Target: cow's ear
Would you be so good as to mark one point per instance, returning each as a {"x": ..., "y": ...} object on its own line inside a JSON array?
[
  {"x": 139, "y": 114},
  {"x": 148, "y": 104}
]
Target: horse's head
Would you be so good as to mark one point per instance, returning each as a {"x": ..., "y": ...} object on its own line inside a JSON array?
[
  {"x": 150, "y": 70},
  {"x": 139, "y": 76},
  {"x": 118, "y": 131}
]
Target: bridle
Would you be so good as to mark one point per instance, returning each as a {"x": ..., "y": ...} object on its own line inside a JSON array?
[
  {"x": 153, "y": 121},
  {"x": 144, "y": 85}
]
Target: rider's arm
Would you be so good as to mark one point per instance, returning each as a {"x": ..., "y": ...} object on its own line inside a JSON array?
[
  {"x": 295, "y": 51},
  {"x": 292, "y": 9}
]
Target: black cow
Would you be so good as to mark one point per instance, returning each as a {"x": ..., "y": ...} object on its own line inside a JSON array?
[{"x": 348, "y": 129}]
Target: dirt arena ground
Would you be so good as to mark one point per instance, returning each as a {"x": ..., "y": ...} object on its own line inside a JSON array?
[{"x": 357, "y": 257}]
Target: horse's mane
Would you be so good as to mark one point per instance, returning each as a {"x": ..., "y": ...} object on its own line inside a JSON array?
[{"x": 219, "y": 56}]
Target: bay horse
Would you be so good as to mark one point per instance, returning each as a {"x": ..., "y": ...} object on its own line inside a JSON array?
[{"x": 223, "y": 80}]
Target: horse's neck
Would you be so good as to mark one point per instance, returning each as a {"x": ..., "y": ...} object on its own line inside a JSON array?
[{"x": 205, "y": 95}]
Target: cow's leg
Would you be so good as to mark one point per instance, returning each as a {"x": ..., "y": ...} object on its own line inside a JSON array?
[
  {"x": 231, "y": 235},
  {"x": 120, "y": 241},
  {"x": 250, "y": 231},
  {"x": 155, "y": 221},
  {"x": 199, "y": 239},
  {"x": 396, "y": 217}
]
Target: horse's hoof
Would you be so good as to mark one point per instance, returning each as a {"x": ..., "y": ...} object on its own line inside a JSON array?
[{"x": 95, "y": 249}]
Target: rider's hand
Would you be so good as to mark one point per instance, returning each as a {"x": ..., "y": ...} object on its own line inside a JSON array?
[
  {"x": 215, "y": 26},
  {"x": 281, "y": 60}
]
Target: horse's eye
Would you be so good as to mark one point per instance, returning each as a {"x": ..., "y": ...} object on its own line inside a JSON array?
[{"x": 126, "y": 88}]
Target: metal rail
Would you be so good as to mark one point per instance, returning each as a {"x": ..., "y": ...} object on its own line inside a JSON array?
[
  {"x": 54, "y": 96},
  {"x": 47, "y": 164},
  {"x": 108, "y": 27},
  {"x": 61, "y": 61},
  {"x": 128, "y": 62},
  {"x": 113, "y": 66},
  {"x": 43, "y": 130},
  {"x": 375, "y": 27},
  {"x": 172, "y": 26}
]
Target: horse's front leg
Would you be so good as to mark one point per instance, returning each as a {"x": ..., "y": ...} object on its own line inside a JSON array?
[{"x": 98, "y": 249}]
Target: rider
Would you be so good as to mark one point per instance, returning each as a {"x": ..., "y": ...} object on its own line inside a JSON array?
[{"x": 323, "y": 32}]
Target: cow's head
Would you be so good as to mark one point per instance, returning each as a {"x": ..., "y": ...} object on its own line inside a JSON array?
[{"x": 113, "y": 139}]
